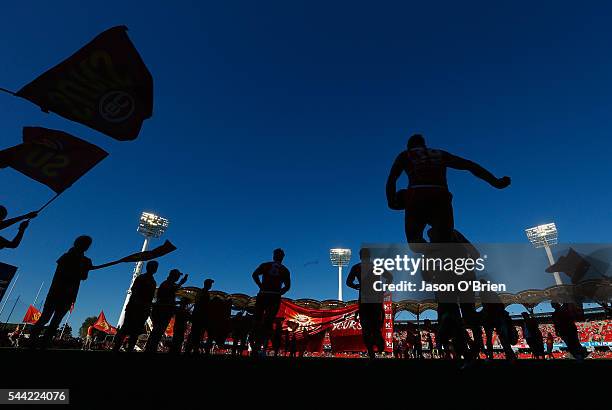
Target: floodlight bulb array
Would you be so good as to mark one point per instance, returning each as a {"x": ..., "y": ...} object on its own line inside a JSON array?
[
  {"x": 151, "y": 225},
  {"x": 339, "y": 256},
  {"x": 543, "y": 235}
]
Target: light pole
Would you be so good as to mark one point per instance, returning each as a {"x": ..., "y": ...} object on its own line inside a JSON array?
[
  {"x": 339, "y": 257},
  {"x": 543, "y": 236},
  {"x": 150, "y": 226}
]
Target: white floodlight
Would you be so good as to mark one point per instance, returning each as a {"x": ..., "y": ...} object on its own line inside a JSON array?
[
  {"x": 339, "y": 257},
  {"x": 543, "y": 236}
]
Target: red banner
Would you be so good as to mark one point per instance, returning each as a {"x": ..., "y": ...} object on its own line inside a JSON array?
[
  {"x": 32, "y": 315},
  {"x": 103, "y": 325},
  {"x": 310, "y": 326}
]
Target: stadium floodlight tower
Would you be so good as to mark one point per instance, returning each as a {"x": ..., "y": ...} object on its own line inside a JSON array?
[
  {"x": 543, "y": 236},
  {"x": 150, "y": 226},
  {"x": 339, "y": 257}
]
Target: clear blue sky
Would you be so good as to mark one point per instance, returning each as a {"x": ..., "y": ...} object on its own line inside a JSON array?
[{"x": 275, "y": 124}]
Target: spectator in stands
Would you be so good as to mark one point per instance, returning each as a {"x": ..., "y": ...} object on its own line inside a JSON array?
[{"x": 533, "y": 336}]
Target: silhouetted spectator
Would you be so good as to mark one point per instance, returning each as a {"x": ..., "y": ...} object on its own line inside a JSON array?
[
  {"x": 533, "y": 336},
  {"x": 495, "y": 317},
  {"x": 371, "y": 310},
  {"x": 5, "y": 223},
  {"x": 72, "y": 268},
  {"x": 138, "y": 308},
  {"x": 275, "y": 281},
  {"x": 199, "y": 318},
  {"x": 565, "y": 326},
  {"x": 181, "y": 317},
  {"x": 164, "y": 308},
  {"x": 277, "y": 336}
]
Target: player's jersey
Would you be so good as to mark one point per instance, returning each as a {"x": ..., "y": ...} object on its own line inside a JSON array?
[
  {"x": 425, "y": 167},
  {"x": 274, "y": 274}
]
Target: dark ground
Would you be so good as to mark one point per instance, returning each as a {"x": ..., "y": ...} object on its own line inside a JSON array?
[{"x": 103, "y": 379}]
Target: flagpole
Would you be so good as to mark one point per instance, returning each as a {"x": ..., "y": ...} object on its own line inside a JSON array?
[
  {"x": 49, "y": 202},
  {"x": 11, "y": 312},
  {"x": 8, "y": 91},
  {"x": 9, "y": 293},
  {"x": 65, "y": 324}
]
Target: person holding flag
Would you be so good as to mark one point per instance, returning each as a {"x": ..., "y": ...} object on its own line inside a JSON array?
[
  {"x": 72, "y": 268},
  {"x": 5, "y": 223}
]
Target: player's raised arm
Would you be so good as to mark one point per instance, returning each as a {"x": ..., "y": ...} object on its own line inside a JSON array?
[{"x": 455, "y": 162}]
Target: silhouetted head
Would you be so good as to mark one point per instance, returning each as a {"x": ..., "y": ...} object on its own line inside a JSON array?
[
  {"x": 152, "y": 267},
  {"x": 364, "y": 254},
  {"x": 208, "y": 284},
  {"x": 82, "y": 243},
  {"x": 525, "y": 315},
  {"x": 174, "y": 275},
  {"x": 278, "y": 255},
  {"x": 416, "y": 141},
  {"x": 555, "y": 305},
  {"x": 3, "y": 213}
]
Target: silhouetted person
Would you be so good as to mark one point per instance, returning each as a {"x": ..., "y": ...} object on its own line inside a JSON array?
[
  {"x": 275, "y": 281},
  {"x": 495, "y": 317},
  {"x": 428, "y": 200},
  {"x": 181, "y": 317},
  {"x": 138, "y": 308},
  {"x": 200, "y": 318},
  {"x": 533, "y": 336},
  {"x": 241, "y": 326},
  {"x": 219, "y": 324},
  {"x": 550, "y": 344},
  {"x": 5, "y": 223},
  {"x": 277, "y": 336},
  {"x": 418, "y": 345},
  {"x": 72, "y": 268},
  {"x": 371, "y": 310},
  {"x": 565, "y": 326},
  {"x": 164, "y": 307}
]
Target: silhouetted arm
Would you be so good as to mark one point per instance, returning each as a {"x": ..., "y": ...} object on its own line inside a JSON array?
[
  {"x": 455, "y": 162},
  {"x": 256, "y": 276},
  {"x": 17, "y": 239},
  {"x": 350, "y": 279},
  {"x": 183, "y": 280},
  {"x": 8, "y": 222},
  {"x": 394, "y": 174},
  {"x": 286, "y": 283}
]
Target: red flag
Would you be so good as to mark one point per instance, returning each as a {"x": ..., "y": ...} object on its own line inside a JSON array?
[
  {"x": 103, "y": 325},
  {"x": 32, "y": 315},
  {"x": 170, "y": 329},
  {"x": 51, "y": 157},
  {"x": 105, "y": 85}
]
